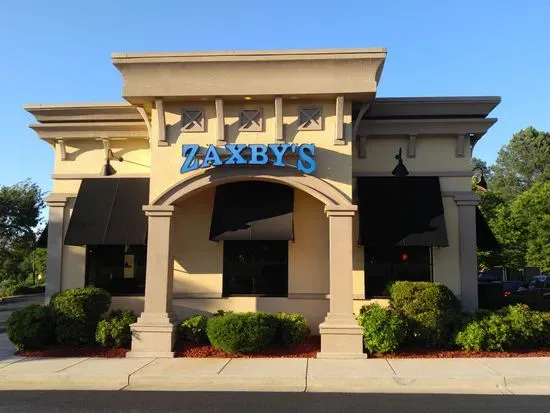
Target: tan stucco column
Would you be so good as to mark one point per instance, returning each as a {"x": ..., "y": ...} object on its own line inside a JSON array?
[
  {"x": 341, "y": 336},
  {"x": 154, "y": 333},
  {"x": 466, "y": 203},
  {"x": 54, "y": 259}
]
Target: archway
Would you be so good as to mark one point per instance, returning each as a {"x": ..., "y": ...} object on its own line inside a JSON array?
[{"x": 340, "y": 334}]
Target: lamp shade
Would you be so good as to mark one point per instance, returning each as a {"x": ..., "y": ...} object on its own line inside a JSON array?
[{"x": 107, "y": 169}]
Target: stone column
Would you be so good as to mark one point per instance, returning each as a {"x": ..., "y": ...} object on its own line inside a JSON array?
[
  {"x": 467, "y": 249},
  {"x": 54, "y": 259},
  {"x": 341, "y": 336},
  {"x": 154, "y": 333}
]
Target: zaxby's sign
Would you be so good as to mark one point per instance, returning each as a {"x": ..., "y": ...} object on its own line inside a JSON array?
[{"x": 254, "y": 154}]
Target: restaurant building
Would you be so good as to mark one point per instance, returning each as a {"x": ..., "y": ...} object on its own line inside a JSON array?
[{"x": 261, "y": 181}]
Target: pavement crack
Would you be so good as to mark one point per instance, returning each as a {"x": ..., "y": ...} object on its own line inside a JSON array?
[
  {"x": 224, "y": 366},
  {"x": 74, "y": 364},
  {"x": 391, "y": 367},
  {"x": 135, "y": 371},
  {"x": 307, "y": 372}
]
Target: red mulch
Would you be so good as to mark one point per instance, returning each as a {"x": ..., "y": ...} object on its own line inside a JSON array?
[
  {"x": 76, "y": 351},
  {"x": 425, "y": 353},
  {"x": 308, "y": 349}
]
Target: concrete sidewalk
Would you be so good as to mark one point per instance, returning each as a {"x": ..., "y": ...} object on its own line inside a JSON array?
[{"x": 466, "y": 376}]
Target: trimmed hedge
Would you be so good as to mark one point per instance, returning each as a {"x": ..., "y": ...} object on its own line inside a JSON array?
[
  {"x": 242, "y": 332},
  {"x": 431, "y": 310},
  {"x": 76, "y": 313},
  {"x": 513, "y": 327},
  {"x": 31, "y": 328},
  {"x": 384, "y": 329},
  {"x": 114, "y": 330},
  {"x": 292, "y": 329},
  {"x": 193, "y": 329}
]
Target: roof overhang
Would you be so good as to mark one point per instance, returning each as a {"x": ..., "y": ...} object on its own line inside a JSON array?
[
  {"x": 88, "y": 121},
  {"x": 352, "y": 73}
]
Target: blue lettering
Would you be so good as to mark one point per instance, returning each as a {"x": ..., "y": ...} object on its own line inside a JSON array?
[
  {"x": 307, "y": 159},
  {"x": 235, "y": 158},
  {"x": 258, "y": 155},
  {"x": 190, "y": 162},
  {"x": 279, "y": 151},
  {"x": 211, "y": 158}
]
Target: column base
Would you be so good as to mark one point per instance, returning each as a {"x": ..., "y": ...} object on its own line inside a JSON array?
[
  {"x": 341, "y": 338},
  {"x": 153, "y": 335}
]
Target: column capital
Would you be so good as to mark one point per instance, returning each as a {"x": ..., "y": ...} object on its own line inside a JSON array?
[
  {"x": 159, "y": 210},
  {"x": 58, "y": 200},
  {"x": 340, "y": 210},
  {"x": 466, "y": 198}
]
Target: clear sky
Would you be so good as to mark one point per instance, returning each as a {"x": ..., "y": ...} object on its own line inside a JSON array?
[{"x": 59, "y": 51}]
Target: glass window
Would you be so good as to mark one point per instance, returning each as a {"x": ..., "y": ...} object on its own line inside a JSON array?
[
  {"x": 119, "y": 269},
  {"x": 384, "y": 265},
  {"x": 255, "y": 268}
]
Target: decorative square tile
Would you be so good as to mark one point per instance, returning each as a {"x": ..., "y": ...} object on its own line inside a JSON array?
[
  {"x": 310, "y": 118},
  {"x": 192, "y": 120},
  {"x": 251, "y": 120}
]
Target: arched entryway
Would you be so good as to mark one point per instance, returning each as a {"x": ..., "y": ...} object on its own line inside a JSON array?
[{"x": 341, "y": 337}]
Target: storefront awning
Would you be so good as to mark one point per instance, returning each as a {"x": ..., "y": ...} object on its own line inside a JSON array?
[
  {"x": 252, "y": 211},
  {"x": 404, "y": 211},
  {"x": 108, "y": 211},
  {"x": 486, "y": 240}
]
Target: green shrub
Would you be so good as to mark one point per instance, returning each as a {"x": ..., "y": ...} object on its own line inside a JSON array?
[
  {"x": 431, "y": 310},
  {"x": 193, "y": 329},
  {"x": 31, "y": 327},
  {"x": 242, "y": 332},
  {"x": 291, "y": 329},
  {"x": 10, "y": 288},
  {"x": 76, "y": 313},
  {"x": 384, "y": 330},
  {"x": 114, "y": 330},
  {"x": 510, "y": 328}
]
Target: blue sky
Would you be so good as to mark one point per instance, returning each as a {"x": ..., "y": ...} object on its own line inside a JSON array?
[{"x": 59, "y": 51}]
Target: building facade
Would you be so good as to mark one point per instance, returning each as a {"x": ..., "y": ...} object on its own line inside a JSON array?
[{"x": 260, "y": 181}]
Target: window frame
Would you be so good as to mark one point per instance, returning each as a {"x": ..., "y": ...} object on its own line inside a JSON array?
[
  {"x": 229, "y": 246},
  {"x": 397, "y": 249}
]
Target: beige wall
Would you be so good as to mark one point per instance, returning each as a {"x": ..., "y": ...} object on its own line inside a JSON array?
[
  {"x": 333, "y": 161},
  {"x": 88, "y": 157}
]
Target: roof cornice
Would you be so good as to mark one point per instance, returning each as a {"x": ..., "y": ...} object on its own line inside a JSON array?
[{"x": 440, "y": 127}]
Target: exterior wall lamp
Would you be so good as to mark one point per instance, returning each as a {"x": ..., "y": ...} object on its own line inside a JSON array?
[
  {"x": 400, "y": 170},
  {"x": 107, "y": 169},
  {"x": 480, "y": 182}
]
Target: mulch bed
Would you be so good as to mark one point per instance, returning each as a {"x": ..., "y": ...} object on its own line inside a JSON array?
[
  {"x": 308, "y": 349},
  {"x": 426, "y": 353},
  {"x": 75, "y": 351}
]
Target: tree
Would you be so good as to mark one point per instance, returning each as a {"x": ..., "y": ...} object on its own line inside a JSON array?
[
  {"x": 20, "y": 207},
  {"x": 522, "y": 162}
]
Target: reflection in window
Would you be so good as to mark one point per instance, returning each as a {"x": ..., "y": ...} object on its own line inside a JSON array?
[
  {"x": 119, "y": 269},
  {"x": 255, "y": 268},
  {"x": 384, "y": 265}
]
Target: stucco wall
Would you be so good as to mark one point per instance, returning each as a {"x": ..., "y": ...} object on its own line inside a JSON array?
[
  {"x": 88, "y": 157},
  {"x": 333, "y": 161},
  {"x": 198, "y": 262}
]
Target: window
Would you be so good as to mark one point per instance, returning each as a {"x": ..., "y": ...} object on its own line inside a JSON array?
[
  {"x": 255, "y": 268},
  {"x": 119, "y": 269},
  {"x": 386, "y": 264}
]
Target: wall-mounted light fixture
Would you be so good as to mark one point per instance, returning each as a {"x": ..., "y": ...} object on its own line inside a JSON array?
[
  {"x": 480, "y": 182},
  {"x": 400, "y": 170},
  {"x": 107, "y": 169}
]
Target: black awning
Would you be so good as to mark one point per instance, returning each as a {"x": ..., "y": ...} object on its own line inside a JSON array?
[
  {"x": 108, "y": 211},
  {"x": 486, "y": 240},
  {"x": 42, "y": 241},
  {"x": 252, "y": 210},
  {"x": 405, "y": 211}
]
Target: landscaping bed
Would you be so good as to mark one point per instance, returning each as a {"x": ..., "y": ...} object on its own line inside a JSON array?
[
  {"x": 75, "y": 351},
  {"x": 308, "y": 349},
  {"x": 423, "y": 353}
]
